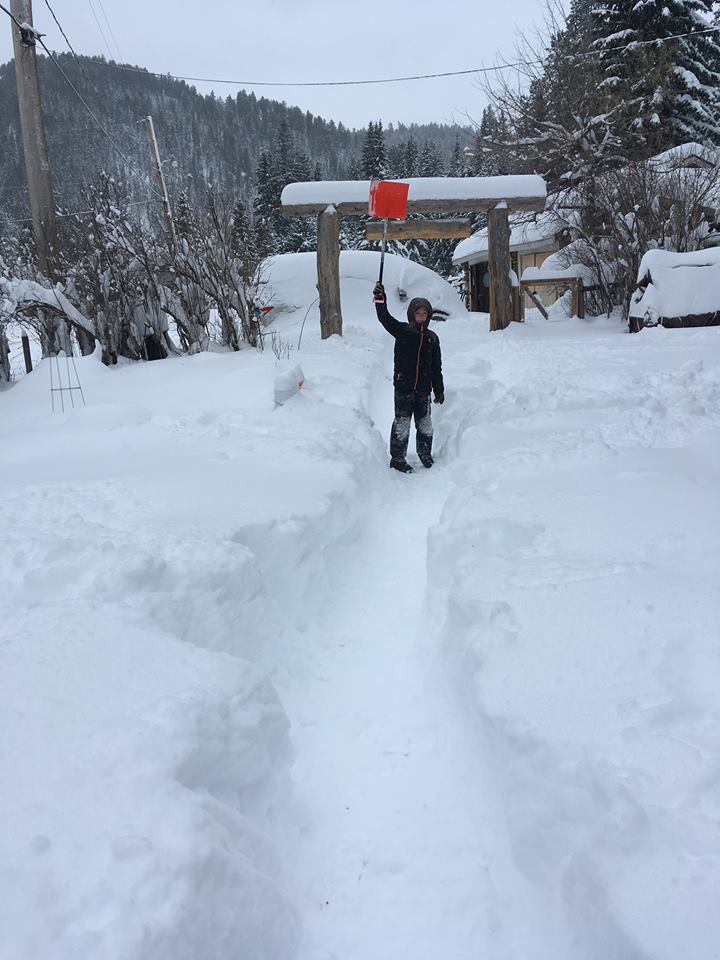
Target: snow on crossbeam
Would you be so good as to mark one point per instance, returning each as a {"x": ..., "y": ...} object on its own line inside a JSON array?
[{"x": 426, "y": 195}]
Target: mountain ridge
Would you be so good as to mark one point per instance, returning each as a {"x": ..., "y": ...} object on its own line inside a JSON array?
[{"x": 205, "y": 139}]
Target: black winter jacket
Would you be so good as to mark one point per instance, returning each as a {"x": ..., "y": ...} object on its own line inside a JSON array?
[{"x": 418, "y": 363}]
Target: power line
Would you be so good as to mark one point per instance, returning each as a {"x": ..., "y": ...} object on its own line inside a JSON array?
[
  {"x": 94, "y": 88},
  {"x": 47, "y": 4},
  {"x": 314, "y": 83},
  {"x": 80, "y": 213},
  {"x": 12, "y": 17},
  {"x": 102, "y": 32},
  {"x": 99, "y": 124},
  {"x": 383, "y": 80},
  {"x": 109, "y": 26},
  {"x": 38, "y": 38},
  {"x": 404, "y": 79}
]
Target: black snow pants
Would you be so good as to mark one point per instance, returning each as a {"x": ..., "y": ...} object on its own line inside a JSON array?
[{"x": 407, "y": 406}]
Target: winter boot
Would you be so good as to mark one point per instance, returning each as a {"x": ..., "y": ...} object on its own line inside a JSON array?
[
  {"x": 427, "y": 461},
  {"x": 402, "y": 465}
]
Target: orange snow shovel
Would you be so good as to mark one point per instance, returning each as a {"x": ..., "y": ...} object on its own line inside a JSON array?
[{"x": 388, "y": 200}]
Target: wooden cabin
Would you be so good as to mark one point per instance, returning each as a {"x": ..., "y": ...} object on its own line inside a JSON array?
[{"x": 532, "y": 241}]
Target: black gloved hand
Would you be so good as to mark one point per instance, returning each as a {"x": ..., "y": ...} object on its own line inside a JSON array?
[
  {"x": 379, "y": 292},
  {"x": 439, "y": 398}
]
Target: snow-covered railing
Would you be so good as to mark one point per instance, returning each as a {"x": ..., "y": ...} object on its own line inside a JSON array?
[{"x": 575, "y": 271}]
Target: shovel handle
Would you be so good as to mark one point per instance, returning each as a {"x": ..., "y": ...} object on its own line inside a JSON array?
[{"x": 382, "y": 252}]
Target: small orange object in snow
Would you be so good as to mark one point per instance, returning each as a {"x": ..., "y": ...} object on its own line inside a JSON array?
[{"x": 388, "y": 199}]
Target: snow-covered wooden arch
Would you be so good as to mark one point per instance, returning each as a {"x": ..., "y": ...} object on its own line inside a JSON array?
[{"x": 496, "y": 196}]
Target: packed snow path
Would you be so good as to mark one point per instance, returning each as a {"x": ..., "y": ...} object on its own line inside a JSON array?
[
  {"x": 399, "y": 851},
  {"x": 393, "y": 850}
]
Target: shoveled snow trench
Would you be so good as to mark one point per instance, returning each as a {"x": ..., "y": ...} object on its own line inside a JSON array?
[
  {"x": 400, "y": 848},
  {"x": 480, "y": 766},
  {"x": 394, "y": 852}
]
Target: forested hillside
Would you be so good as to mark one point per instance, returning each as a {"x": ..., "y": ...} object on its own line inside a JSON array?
[{"x": 207, "y": 140}]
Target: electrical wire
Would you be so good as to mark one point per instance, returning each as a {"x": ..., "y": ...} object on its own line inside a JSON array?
[
  {"x": 404, "y": 79},
  {"x": 109, "y": 26},
  {"x": 12, "y": 16},
  {"x": 102, "y": 32},
  {"x": 98, "y": 123},
  {"x": 59, "y": 25},
  {"x": 38, "y": 38},
  {"x": 80, "y": 213},
  {"x": 100, "y": 98}
]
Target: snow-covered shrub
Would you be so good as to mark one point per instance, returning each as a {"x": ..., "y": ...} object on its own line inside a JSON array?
[{"x": 652, "y": 204}]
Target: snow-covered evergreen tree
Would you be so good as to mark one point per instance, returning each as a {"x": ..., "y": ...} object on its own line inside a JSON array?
[
  {"x": 412, "y": 159},
  {"x": 285, "y": 164},
  {"x": 457, "y": 166},
  {"x": 661, "y": 71},
  {"x": 430, "y": 162},
  {"x": 374, "y": 153},
  {"x": 492, "y": 144}
]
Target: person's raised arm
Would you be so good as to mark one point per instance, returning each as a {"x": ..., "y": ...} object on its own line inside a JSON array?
[{"x": 392, "y": 325}]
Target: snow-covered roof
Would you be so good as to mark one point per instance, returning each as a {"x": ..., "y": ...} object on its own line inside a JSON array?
[
  {"x": 686, "y": 155},
  {"x": 680, "y": 284},
  {"x": 521, "y": 192},
  {"x": 526, "y": 236}
]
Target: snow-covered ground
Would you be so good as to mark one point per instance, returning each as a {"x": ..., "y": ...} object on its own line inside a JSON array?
[{"x": 264, "y": 698}]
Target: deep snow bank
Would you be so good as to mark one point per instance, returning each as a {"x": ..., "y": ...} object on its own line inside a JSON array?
[
  {"x": 161, "y": 547},
  {"x": 292, "y": 278},
  {"x": 576, "y": 589}
]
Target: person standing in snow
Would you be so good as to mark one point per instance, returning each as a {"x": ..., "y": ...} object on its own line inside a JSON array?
[{"x": 418, "y": 371}]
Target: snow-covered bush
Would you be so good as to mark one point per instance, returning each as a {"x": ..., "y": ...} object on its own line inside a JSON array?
[
  {"x": 652, "y": 204},
  {"x": 122, "y": 278}
]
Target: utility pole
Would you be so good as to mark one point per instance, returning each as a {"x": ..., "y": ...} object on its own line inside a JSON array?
[
  {"x": 161, "y": 179},
  {"x": 37, "y": 163}
]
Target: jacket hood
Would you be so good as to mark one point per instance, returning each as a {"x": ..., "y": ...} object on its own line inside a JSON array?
[{"x": 415, "y": 304}]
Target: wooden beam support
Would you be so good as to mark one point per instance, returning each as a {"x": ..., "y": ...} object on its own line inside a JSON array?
[
  {"x": 359, "y": 208},
  {"x": 420, "y": 229},
  {"x": 538, "y": 303},
  {"x": 328, "y": 270},
  {"x": 501, "y": 303}
]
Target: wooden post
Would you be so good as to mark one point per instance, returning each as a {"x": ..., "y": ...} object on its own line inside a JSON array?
[
  {"x": 4, "y": 359},
  {"x": 328, "y": 269},
  {"x": 161, "y": 180},
  {"x": 581, "y": 298},
  {"x": 501, "y": 306},
  {"x": 37, "y": 162},
  {"x": 516, "y": 304},
  {"x": 26, "y": 353}
]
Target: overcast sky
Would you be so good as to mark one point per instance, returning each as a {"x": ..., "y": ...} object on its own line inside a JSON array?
[{"x": 304, "y": 40}]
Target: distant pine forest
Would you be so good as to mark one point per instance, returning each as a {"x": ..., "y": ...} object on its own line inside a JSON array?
[{"x": 208, "y": 143}]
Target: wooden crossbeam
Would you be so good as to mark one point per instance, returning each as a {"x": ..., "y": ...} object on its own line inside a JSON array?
[
  {"x": 359, "y": 208},
  {"x": 444, "y": 195},
  {"x": 419, "y": 229}
]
